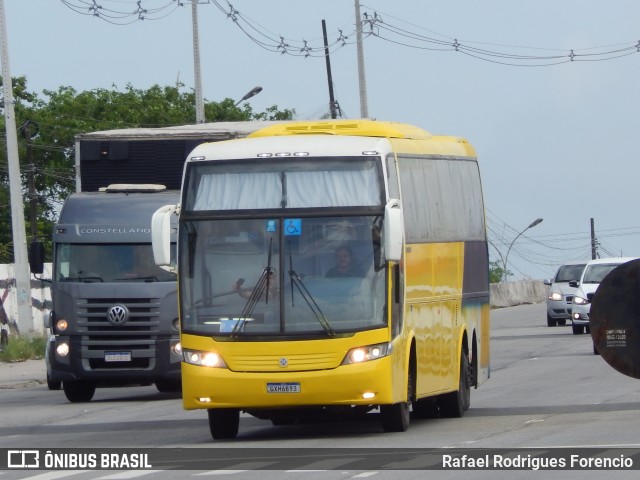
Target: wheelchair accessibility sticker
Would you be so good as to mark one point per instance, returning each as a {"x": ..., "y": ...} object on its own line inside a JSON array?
[{"x": 292, "y": 227}]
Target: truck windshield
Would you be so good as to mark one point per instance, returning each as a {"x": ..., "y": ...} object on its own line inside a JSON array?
[
  {"x": 282, "y": 276},
  {"x": 114, "y": 262}
]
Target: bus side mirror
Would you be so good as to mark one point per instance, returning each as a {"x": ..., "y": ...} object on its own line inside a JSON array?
[
  {"x": 36, "y": 257},
  {"x": 393, "y": 230},
  {"x": 161, "y": 235}
]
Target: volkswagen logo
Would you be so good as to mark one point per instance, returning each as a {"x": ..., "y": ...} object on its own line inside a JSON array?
[
  {"x": 118, "y": 315},
  {"x": 284, "y": 363}
]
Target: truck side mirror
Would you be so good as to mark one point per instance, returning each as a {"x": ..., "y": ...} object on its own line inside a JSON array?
[
  {"x": 161, "y": 235},
  {"x": 36, "y": 257},
  {"x": 393, "y": 230}
]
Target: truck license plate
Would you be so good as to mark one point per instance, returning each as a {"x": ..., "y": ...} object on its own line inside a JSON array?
[
  {"x": 117, "y": 356},
  {"x": 291, "y": 387}
]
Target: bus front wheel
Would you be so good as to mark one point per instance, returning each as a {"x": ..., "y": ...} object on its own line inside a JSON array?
[
  {"x": 454, "y": 404},
  {"x": 224, "y": 423},
  {"x": 396, "y": 417}
]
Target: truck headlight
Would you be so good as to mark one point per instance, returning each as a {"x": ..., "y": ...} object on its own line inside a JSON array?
[
  {"x": 62, "y": 349},
  {"x": 555, "y": 296}
]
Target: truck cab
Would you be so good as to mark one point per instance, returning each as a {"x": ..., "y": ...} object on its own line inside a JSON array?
[{"x": 114, "y": 318}]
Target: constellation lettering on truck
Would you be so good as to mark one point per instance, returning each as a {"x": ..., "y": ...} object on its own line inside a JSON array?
[{"x": 106, "y": 230}]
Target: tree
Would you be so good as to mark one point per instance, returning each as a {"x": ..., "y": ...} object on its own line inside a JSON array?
[
  {"x": 496, "y": 271},
  {"x": 55, "y": 119}
]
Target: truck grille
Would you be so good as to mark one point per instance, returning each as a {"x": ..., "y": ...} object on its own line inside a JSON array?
[{"x": 137, "y": 334}]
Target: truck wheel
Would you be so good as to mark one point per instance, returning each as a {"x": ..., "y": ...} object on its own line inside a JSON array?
[
  {"x": 551, "y": 322},
  {"x": 80, "y": 391},
  {"x": 224, "y": 423},
  {"x": 53, "y": 385},
  {"x": 577, "y": 329},
  {"x": 168, "y": 386},
  {"x": 396, "y": 417},
  {"x": 454, "y": 404}
]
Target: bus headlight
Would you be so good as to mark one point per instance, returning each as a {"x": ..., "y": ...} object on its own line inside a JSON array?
[
  {"x": 367, "y": 353},
  {"x": 203, "y": 359}
]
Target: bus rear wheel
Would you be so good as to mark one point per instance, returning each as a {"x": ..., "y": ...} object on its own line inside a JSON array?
[
  {"x": 79, "y": 391},
  {"x": 454, "y": 404},
  {"x": 224, "y": 423}
]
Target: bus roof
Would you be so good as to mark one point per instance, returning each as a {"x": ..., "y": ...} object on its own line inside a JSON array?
[{"x": 356, "y": 127}]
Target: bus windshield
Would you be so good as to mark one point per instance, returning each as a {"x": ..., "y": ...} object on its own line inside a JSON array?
[
  {"x": 282, "y": 276},
  {"x": 285, "y": 184},
  {"x": 113, "y": 262}
]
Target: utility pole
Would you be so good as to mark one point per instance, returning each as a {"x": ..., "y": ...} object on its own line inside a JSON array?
[
  {"x": 594, "y": 248},
  {"x": 332, "y": 100},
  {"x": 364, "y": 109},
  {"x": 33, "y": 197},
  {"x": 196, "y": 63},
  {"x": 21, "y": 264}
]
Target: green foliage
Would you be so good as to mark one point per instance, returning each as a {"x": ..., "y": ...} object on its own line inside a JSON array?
[
  {"x": 496, "y": 272},
  {"x": 53, "y": 120},
  {"x": 20, "y": 348}
]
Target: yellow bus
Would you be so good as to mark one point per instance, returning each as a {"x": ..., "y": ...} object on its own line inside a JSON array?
[{"x": 330, "y": 267}]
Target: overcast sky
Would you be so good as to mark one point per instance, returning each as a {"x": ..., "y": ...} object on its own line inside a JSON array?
[{"x": 556, "y": 138}]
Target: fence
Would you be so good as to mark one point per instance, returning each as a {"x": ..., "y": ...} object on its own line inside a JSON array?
[{"x": 40, "y": 297}]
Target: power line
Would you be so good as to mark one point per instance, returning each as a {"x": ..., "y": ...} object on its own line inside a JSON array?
[{"x": 397, "y": 31}]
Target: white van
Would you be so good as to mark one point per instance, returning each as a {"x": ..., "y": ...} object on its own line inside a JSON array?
[{"x": 593, "y": 274}]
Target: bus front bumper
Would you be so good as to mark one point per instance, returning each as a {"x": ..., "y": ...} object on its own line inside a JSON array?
[{"x": 367, "y": 383}]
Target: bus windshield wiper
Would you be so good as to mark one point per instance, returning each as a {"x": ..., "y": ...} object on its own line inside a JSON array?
[
  {"x": 262, "y": 287},
  {"x": 308, "y": 298}
]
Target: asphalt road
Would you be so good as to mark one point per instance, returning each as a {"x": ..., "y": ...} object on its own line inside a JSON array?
[{"x": 547, "y": 390}]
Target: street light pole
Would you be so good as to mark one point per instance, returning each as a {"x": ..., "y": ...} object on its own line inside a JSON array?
[
  {"x": 506, "y": 257},
  {"x": 252, "y": 93}
]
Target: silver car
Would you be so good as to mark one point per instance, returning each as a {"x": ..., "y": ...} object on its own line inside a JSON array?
[{"x": 560, "y": 298}]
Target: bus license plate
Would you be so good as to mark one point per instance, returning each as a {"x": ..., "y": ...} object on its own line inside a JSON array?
[
  {"x": 292, "y": 387},
  {"x": 117, "y": 356}
]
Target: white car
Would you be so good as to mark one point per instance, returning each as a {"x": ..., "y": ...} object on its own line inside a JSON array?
[
  {"x": 560, "y": 298},
  {"x": 593, "y": 274}
]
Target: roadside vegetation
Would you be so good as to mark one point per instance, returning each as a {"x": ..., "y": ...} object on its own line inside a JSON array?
[
  {"x": 48, "y": 122},
  {"x": 21, "y": 348}
]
